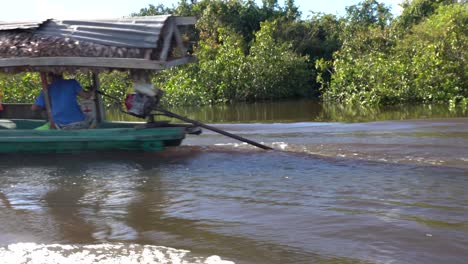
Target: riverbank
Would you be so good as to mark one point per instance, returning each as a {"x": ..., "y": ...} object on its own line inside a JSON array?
[{"x": 306, "y": 110}]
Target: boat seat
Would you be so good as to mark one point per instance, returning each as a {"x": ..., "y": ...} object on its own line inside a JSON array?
[{"x": 7, "y": 124}]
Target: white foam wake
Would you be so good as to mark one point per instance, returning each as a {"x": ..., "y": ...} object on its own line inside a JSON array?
[{"x": 32, "y": 253}]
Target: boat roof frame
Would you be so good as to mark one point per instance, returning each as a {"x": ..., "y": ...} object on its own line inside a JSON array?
[{"x": 169, "y": 35}]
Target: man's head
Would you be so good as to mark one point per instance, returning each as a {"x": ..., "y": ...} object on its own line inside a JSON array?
[{"x": 53, "y": 76}]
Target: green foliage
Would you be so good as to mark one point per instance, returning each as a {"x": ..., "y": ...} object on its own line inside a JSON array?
[
  {"x": 225, "y": 73},
  {"x": 367, "y": 13},
  {"x": 416, "y": 11},
  {"x": 20, "y": 88},
  {"x": 243, "y": 17},
  {"x": 25, "y": 87},
  {"x": 317, "y": 37},
  {"x": 116, "y": 84},
  {"x": 427, "y": 65},
  {"x": 365, "y": 28},
  {"x": 152, "y": 10},
  {"x": 438, "y": 50},
  {"x": 277, "y": 71}
]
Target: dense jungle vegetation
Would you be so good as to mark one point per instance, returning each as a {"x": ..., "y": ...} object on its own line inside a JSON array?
[{"x": 250, "y": 52}]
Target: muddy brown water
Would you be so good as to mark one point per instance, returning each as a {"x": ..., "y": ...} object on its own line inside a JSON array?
[{"x": 342, "y": 186}]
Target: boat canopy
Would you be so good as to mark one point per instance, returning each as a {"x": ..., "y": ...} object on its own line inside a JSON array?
[{"x": 146, "y": 43}]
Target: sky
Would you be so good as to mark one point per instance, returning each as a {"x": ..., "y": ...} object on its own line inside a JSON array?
[{"x": 38, "y": 10}]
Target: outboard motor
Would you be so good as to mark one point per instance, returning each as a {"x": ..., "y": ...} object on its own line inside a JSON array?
[
  {"x": 146, "y": 97},
  {"x": 140, "y": 105}
]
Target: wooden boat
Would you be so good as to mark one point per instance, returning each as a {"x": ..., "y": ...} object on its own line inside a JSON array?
[
  {"x": 136, "y": 43},
  {"x": 114, "y": 136}
]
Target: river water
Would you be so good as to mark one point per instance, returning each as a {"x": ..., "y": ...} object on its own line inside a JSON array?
[{"x": 342, "y": 186}]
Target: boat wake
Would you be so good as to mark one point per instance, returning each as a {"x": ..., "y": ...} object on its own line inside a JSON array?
[
  {"x": 419, "y": 142},
  {"x": 26, "y": 253}
]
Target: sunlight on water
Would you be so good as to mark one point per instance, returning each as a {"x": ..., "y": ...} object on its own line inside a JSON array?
[
  {"x": 280, "y": 145},
  {"x": 30, "y": 253},
  {"x": 425, "y": 142}
]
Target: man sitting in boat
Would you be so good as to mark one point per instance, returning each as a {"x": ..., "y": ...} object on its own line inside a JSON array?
[{"x": 65, "y": 109}]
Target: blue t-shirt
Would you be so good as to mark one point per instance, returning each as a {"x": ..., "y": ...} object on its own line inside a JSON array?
[{"x": 65, "y": 108}]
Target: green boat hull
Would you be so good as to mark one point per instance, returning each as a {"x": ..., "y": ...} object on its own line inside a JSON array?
[{"x": 110, "y": 136}]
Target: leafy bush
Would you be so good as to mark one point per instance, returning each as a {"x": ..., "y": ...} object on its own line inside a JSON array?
[
  {"x": 25, "y": 87},
  {"x": 224, "y": 73},
  {"x": 20, "y": 88},
  {"x": 427, "y": 65}
]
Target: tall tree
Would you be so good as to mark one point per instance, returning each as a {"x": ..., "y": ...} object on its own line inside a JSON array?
[
  {"x": 416, "y": 10},
  {"x": 153, "y": 10}
]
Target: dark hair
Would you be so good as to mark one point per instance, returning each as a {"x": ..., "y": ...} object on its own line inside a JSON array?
[{"x": 53, "y": 76}]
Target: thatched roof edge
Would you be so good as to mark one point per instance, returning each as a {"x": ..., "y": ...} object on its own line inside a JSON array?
[{"x": 156, "y": 39}]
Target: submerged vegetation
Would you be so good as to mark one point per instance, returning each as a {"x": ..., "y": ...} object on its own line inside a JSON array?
[{"x": 248, "y": 52}]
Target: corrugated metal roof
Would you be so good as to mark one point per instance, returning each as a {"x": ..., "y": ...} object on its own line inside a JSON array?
[
  {"x": 125, "y": 32},
  {"x": 64, "y": 45},
  {"x": 19, "y": 25},
  {"x": 134, "y": 32}
]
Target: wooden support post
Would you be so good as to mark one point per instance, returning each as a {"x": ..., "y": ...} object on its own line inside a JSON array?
[
  {"x": 179, "y": 41},
  {"x": 45, "y": 91},
  {"x": 167, "y": 41},
  {"x": 148, "y": 54},
  {"x": 100, "y": 114}
]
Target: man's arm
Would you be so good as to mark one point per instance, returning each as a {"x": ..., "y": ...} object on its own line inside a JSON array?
[
  {"x": 36, "y": 107},
  {"x": 39, "y": 104}
]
